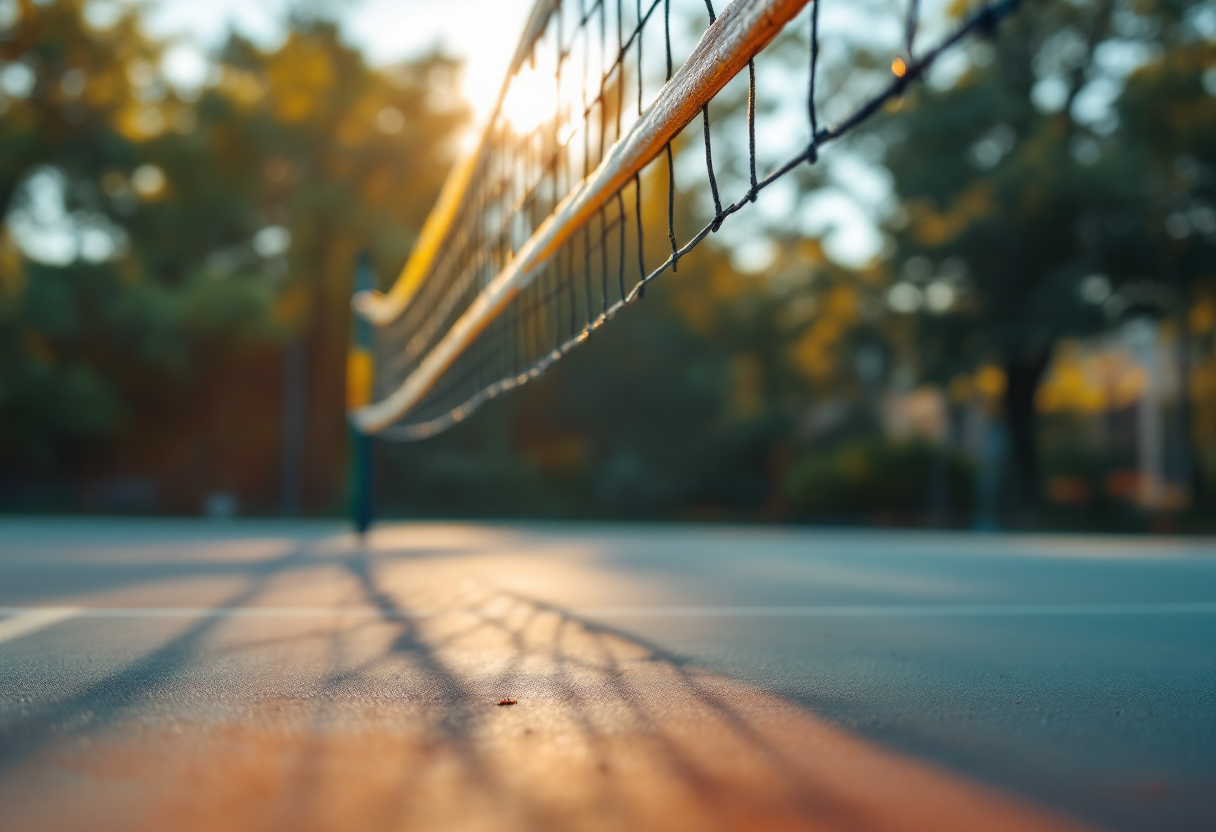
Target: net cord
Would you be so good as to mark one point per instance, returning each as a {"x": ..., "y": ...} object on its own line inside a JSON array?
[
  {"x": 382, "y": 308},
  {"x": 981, "y": 21},
  {"x": 741, "y": 31}
]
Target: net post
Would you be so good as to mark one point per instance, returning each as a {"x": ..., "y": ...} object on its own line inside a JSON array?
[{"x": 359, "y": 375}]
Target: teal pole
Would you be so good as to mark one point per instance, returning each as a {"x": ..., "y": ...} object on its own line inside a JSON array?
[{"x": 358, "y": 383}]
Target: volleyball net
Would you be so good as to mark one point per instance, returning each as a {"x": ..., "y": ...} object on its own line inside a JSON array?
[{"x": 567, "y": 207}]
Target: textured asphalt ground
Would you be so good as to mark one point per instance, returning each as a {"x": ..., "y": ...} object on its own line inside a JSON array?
[{"x": 261, "y": 675}]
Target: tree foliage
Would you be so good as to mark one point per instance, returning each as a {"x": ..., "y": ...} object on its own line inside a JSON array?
[
  {"x": 1059, "y": 184},
  {"x": 200, "y": 230},
  {"x": 170, "y": 257}
]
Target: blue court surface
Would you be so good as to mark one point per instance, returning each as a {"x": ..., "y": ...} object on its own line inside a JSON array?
[{"x": 1073, "y": 676}]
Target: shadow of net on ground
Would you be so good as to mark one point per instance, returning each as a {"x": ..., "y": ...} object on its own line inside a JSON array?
[
  {"x": 116, "y": 698},
  {"x": 400, "y": 727}
]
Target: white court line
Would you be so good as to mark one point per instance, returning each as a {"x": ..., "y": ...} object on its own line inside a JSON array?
[
  {"x": 909, "y": 611},
  {"x": 32, "y": 619}
]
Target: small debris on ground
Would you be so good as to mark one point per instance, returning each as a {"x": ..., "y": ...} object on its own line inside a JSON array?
[{"x": 508, "y": 701}]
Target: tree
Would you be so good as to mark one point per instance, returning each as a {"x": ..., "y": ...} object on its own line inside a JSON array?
[
  {"x": 1032, "y": 188},
  {"x": 333, "y": 156},
  {"x": 202, "y": 232},
  {"x": 92, "y": 321}
]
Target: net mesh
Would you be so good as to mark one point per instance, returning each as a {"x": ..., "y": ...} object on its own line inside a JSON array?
[{"x": 584, "y": 79}]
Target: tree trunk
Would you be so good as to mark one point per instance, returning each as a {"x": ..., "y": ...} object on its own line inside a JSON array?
[
  {"x": 1190, "y": 474},
  {"x": 8, "y": 191},
  {"x": 1022, "y": 376},
  {"x": 295, "y": 404}
]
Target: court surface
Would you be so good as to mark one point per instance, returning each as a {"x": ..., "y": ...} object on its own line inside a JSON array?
[{"x": 186, "y": 675}]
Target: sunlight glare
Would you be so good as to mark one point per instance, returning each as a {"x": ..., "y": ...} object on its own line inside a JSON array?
[
  {"x": 569, "y": 130},
  {"x": 531, "y": 100},
  {"x": 480, "y": 83}
]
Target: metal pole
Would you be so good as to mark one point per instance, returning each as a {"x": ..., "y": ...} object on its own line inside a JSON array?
[{"x": 359, "y": 374}]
